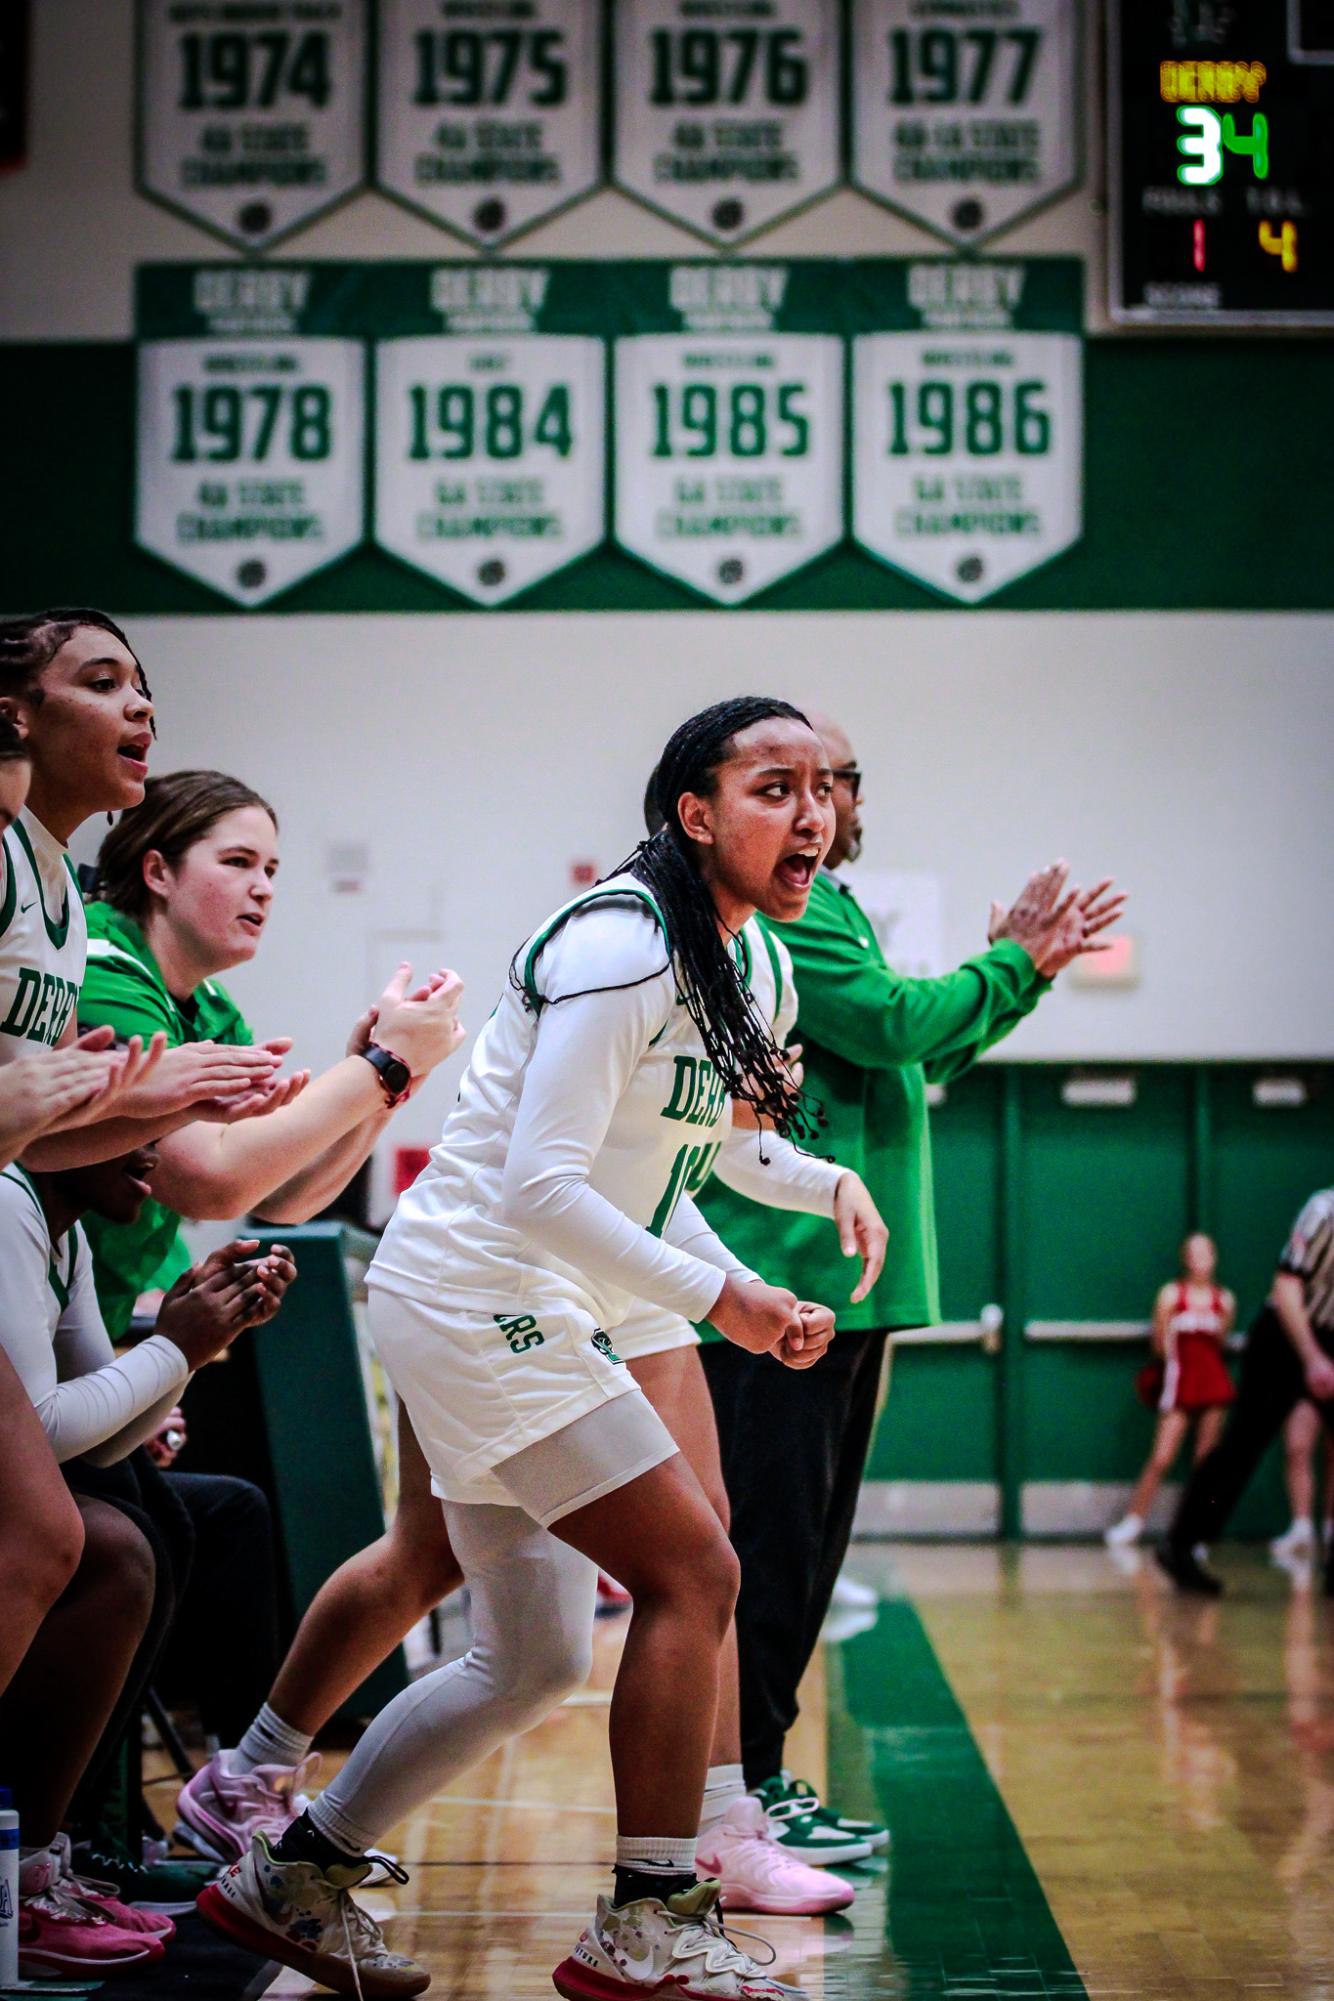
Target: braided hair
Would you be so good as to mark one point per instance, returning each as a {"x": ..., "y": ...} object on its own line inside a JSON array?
[
  {"x": 29, "y": 645},
  {"x": 736, "y": 1038}
]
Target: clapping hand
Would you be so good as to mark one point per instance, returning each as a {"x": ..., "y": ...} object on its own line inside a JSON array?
[
  {"x": 212, "y": 1303},
  {"x": 1054, "y": 923}
]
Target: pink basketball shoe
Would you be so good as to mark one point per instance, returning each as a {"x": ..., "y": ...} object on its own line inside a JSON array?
[
  {"x": 758, "y": 1874},
  {"x": 221, "y": 1811}
]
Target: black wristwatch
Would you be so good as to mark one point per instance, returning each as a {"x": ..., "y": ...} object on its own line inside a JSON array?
[{"x": 393, "y": 1073}]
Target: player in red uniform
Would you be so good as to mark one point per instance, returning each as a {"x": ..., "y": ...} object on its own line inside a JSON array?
[{"x": 1192, "y": 1319}]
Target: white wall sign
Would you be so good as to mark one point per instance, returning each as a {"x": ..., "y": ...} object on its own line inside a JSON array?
[
  {"x": 968, "y": 429},
  {"x": 727, "y": 116},
  {"x": 250, "y": 458},
  {"x": 251, "y": 118},
  {"x": 729, "y": 455},
  {"x": 965, "y": 113},
  {"x": 489, "y": 468},
  {"x": 488, "y": 118}
]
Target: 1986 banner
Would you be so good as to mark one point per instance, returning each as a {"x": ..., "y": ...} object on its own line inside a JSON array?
[{"x": 968, "y": 422}]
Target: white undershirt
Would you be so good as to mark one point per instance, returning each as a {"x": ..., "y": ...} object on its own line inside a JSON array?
[{"x": 92, "y": 1403}]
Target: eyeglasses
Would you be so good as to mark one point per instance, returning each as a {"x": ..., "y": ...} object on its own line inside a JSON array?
[{"x": 851, "y": 777}]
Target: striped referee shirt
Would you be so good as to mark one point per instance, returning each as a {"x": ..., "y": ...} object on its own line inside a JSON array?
[{"x": 1309, "y": 1255}]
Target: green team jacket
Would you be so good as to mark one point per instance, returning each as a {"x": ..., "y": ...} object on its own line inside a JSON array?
[
  {"x": 123, "y": 987},
  {"x": 872, "y": 1041}
]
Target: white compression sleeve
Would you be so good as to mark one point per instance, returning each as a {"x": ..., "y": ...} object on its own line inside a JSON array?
[
  {"x": 532, "y": 1602},
  {"x": 688, "y": 1230},
  {"x": 105, "y": 1404},
  {"x": 90, "y": 1403},
  {"x": 791, "y": 1180}
]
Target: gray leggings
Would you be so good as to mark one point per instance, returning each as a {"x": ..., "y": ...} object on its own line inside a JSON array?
[{"x": 533, "y": 1603}]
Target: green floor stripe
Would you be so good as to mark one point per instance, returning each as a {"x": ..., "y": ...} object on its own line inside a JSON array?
[{"x": 964, "y": 1914}]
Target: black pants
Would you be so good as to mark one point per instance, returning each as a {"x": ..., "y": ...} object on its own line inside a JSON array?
[
  {"x": 135, "y": 1486},
  {"x": 222, "y": 1652},
  {"x": 1271, "y": 1385},
  {"x": 794, "y": 1445},
  {"x": 212, "y": 1637}
]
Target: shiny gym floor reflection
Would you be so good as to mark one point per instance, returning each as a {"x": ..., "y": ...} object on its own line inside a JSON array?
[{"x": 1094, "y": 1788}]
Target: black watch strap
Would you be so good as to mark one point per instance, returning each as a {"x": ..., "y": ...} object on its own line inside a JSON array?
[{"x": 393, "y": 1073}]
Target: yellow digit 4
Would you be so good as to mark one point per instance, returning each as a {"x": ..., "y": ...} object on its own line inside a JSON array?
[{"x": 1281, "y": 242}]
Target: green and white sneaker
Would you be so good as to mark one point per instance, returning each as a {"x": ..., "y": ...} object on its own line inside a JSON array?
[{"x": 818, "y": 1832}]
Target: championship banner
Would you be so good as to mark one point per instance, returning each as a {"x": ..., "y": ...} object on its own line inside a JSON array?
[
  {"x": 489, "y": 431},
  {"x": 251, "y": 113},
  {"x": 727, "y": 116},
  {"x": 251, "y": 427},
  {"x": 967, "y": 420},
  {"x": 729, "y": 432},
  {"x": 965, "y": 113},
  {"x": 488, "y": 119}
]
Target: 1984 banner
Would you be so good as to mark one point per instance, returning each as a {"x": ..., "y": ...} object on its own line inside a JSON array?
[{"x": 489, "y": 458}]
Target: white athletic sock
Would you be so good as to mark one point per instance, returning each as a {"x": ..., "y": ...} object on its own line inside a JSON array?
[
  {"x": 656, "y": 1854},
  {"x": 268, "y": 1741},
  {"x": 724, "y": 1786}
]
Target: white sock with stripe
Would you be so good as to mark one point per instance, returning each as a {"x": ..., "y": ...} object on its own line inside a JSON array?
[
  {"x": 724, "y": 1786},
  {"x": 268, "y": 1741}
]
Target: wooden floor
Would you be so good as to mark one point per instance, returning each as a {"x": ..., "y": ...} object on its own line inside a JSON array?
[{"x": 1094, "y": 1788}]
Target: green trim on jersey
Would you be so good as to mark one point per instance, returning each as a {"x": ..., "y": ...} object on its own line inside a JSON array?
[
  {"x": 601, "y": 893},
  {"x": 57, "y": 933},
  {"x": 776, "y": 965},
  {"x": 61, "y": 1287},
  {"x": 11, "y": 897},
  {"x": 124, "y": 987}
]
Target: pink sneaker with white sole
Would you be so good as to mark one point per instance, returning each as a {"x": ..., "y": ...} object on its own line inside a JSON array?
[
  {"x": 58, "y": 1933},
  {"x": 758, "y": 1874},
  {"x": 221, "y": 1811}
]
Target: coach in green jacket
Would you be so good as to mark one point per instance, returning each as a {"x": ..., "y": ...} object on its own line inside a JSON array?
[{"x": 795, "y": 1444}]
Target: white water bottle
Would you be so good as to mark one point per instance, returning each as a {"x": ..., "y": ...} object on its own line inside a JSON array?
[{"x": 9, "y": 1890}]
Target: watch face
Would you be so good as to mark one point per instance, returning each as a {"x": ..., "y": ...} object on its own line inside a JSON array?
[{"x": 393, "y": 1071}]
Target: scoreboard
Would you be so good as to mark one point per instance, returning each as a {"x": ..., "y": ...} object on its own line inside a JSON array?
[{"x": 1221, "y": 162}]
